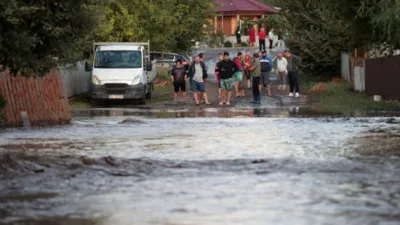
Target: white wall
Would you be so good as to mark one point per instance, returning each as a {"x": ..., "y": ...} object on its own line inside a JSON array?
[{"x": 76, "y": 79}]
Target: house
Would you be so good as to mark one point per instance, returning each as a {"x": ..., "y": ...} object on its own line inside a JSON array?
[{"x": 231, "y": 12}]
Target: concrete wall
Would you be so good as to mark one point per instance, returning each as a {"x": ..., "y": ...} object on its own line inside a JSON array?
[
  {"x": 75, "y": 79},
  {"x": 359, "y": 78},
  {"x": 42, "y": 98},
  {"x": 346, "y": 67},
  {"x": 353, "y": 71}
]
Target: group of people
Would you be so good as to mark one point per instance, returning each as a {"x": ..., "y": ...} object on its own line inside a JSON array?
[
  {"x": 234, "y": 74},
  {"x": 283, "y": 35},
  {"x": 197, "y": 74}
]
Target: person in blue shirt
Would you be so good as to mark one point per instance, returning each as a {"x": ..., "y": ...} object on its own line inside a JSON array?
[{"x": 266, "y": 67}]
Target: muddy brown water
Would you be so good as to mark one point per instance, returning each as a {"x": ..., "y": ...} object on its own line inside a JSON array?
[{"x": 212, "y": 166}]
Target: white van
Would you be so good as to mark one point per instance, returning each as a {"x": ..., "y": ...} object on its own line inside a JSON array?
[{"x": 122, "y": 71}]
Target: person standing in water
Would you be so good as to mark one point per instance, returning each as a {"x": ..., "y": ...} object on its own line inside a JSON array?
[
  {"x": 293, "y": 66},
  {"x": 266, "y": 67},
  {"x": 255, "y": 69},
  {"x": 238, "y": 73},
  {"x": 282, "y": 71},
  {"x": 216, "y": 71},
  {"x": 247, "y": 60},
  {"x": 197, "y": 71},
  {"x": 226, "y": 70},
  {"x": 178, "y": 76},
  {"x": 205, "y": 76}
]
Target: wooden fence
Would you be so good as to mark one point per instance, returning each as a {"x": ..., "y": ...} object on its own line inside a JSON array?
[{"x": 42, "y": 98}]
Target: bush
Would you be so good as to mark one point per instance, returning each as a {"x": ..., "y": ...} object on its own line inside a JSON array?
[
  {"x": 163, "y": 73},
  {"x": 228, "y": 44},
  {"x": 216, "y": 40},
  {"x": 245, "y": 44}
]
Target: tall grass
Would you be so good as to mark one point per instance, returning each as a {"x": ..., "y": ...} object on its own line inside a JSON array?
[{"x": 342, "y": 97}]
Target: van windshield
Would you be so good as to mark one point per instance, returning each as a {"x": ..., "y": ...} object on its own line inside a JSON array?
[{"x": 118, "y": 59}]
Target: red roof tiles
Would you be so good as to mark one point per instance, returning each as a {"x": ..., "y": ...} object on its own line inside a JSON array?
[{"x": 244, "y": 6}]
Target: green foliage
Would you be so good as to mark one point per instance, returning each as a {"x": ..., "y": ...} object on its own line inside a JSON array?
[
  {"x": 169, "y": 24},
  {"x": 163, "y": 73},
  {"x": 216, "y": 40},
  {"x": 37, "y": 35},
  {"x": 383, "y": 22},
  {"x": 321, "y": 29},
  {"x": 318, "y": 35},
  {"x": 228, "y": 44},
  {"x": 246, "y": 24},
  {"x": 276, "y": 21}
]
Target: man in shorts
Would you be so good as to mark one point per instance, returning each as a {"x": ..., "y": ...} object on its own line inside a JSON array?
[
  {"x": 255, "y": 69},
  {"x": 200, "y": 95},
  {"x": 178, "y": 76},
  {"x": 266, "y": 67},
  {"x": 246, "y": 69},
  {"x": 225, "y": 71},
  {"x": 216, "y": 71},
  {"x": 197, "y": 71},
  {"x": 238, "y": 73}
]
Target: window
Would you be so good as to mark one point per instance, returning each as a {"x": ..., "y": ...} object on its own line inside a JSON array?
[{"x": 118, "y": 59}]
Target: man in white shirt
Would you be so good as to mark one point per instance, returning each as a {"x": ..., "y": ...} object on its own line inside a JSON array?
[
  {"x": 282, "y": 71},
  {"x": 271, "y": 38}
]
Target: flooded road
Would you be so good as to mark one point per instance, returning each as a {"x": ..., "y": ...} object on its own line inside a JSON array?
[{"x": 238, "y": 169}]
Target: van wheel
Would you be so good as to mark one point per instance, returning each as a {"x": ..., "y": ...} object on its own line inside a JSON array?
[
  {"x": 148, "y": 96},
  {"x": 142, "y": 101}
]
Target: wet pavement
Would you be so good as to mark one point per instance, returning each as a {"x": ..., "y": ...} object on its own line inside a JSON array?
[{"x": 238, "y": 165}]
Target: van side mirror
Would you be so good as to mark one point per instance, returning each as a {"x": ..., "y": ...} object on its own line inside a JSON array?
[
  {"x": 149, "y": 66},
  {"x": 88, "y": 67}
]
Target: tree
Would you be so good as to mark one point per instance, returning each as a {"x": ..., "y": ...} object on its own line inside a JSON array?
[
  {"x": 321, "y": 29},
  {"x": 169, "y": 24},
  {"x": 383, "y": 23},
  {"x": 37, "y": 35},
  {"x": 318, "y": 34}
]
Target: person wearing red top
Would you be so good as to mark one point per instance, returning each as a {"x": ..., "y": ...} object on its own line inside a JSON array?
[
  {"x": 261, "y": 39},
  {"x": 239, "y": 74},
  {"x": 252, "y": 37}
]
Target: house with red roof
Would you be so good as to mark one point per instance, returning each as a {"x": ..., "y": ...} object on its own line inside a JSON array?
[{"x": 231, "y": 12}]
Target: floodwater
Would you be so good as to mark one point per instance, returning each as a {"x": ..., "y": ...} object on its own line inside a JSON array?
[{"x": 232, "y": 168}]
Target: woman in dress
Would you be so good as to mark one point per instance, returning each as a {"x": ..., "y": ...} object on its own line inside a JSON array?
[{"x": 252, "y": 37}]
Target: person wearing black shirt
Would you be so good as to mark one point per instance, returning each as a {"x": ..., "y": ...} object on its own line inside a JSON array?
[
  {"x": 226, "y": 69},
  {"x": 178, "y": 76}
]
